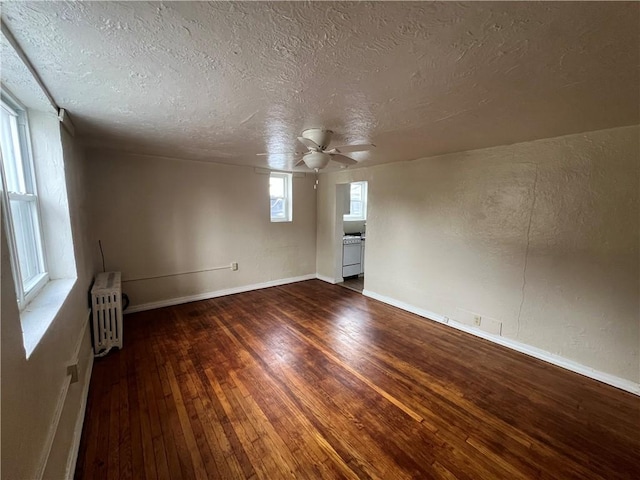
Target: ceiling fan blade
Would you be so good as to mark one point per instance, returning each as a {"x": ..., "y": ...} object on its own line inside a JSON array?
[
  {"x": 266, "y": 154},
  {"x": 354, "y": 148},
  {"x": 310, "y": 144},
  {"x": 344, "y": 160}
]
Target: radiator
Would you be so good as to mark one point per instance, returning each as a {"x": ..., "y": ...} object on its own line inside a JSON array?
[{"x": 106, "y": 304}]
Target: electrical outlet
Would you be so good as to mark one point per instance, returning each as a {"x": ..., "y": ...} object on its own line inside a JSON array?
[
  {"x": 477, "y": 319},
  {"x": 234, "y": 266}
]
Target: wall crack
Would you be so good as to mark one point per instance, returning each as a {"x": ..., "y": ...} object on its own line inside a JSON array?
[{"x": 526, "y": 252}]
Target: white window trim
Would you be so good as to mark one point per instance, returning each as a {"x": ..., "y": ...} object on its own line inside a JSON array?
[
  {"x": 358, "y": 218},
  {"x": 288, "y": 198},
  {"x": 25, "y": 293}
]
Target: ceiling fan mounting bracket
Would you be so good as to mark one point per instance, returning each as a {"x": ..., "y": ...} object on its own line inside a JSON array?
[{"x": 320, "y": 137}]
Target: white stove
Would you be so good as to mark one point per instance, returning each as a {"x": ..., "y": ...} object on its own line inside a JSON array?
[
  {"x": 351, "y": 239},
  {"x": 351, "y": 255}
]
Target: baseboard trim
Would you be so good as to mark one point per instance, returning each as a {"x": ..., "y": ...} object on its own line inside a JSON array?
[
  {"x": 218, "y": 293},
  {"x": 53, "y": 428},
  {"x": 535, "y": 352},
  {"x": 326, "y": 279},
  {"x": 62, "y": 398},
  {"x": 77, "y": 431}
]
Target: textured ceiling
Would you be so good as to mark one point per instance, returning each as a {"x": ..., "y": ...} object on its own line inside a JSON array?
[
  {"x": 15, "y": 73},
  {"x": 224, "y": 81}
]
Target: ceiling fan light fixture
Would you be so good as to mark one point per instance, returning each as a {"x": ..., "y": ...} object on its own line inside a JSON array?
[
  {"x": 316, "y": 160},
  {"x": 317, "y": 141}
]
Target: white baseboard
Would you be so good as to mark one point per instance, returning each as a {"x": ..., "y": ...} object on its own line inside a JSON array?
[
  {"x": 53, "y": 427},
  {"x": 218, "y": 293},
  {"x": 326, "y": 279},
  {"x": 77, "y": 431},
  {"x": 62, "y": 398},
  {"x": 621, "y": 383}
]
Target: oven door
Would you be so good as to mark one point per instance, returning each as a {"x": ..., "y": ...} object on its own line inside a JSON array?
[{"x": 351, "y": 254}]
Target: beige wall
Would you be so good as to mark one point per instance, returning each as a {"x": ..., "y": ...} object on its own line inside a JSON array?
[
  {"x": 541, "y": 236},
  {"x": 32, "y": 390},
  {"x": 158, "y": 216}
]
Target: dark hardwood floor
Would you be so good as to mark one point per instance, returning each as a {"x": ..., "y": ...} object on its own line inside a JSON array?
[{"x": 311, "y": 380}]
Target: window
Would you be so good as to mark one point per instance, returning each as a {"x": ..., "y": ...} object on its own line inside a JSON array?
[
  {"x": 280, "y": 197},
  {"x": 358, "y": 202},
  {"x": 20, "y": 203}
]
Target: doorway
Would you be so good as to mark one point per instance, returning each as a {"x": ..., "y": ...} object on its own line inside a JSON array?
[{"x": 353, "y": 199}]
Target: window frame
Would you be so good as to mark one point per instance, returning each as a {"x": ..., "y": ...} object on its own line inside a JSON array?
[
  {"x": 348, "y": 217},
  {"x": 25, "y": 291},
  {"x": 287, "y": 198}
]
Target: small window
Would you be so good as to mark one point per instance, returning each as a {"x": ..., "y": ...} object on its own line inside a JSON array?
[
  {"x": 20, "y": 203},
  {"x": 358, "y": 202},
  {"x": 280, "y": 197}
]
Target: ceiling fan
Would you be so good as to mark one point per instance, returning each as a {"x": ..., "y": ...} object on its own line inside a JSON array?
[{"x": 317, "y": 142}]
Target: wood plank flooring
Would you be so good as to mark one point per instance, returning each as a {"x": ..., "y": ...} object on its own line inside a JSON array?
[
  {"x": 311, "y": 380},
  {"x": 354, "y": 283}
]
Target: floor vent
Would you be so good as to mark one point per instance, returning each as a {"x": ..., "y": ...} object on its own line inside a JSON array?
[{"x": 106, "y": 304}]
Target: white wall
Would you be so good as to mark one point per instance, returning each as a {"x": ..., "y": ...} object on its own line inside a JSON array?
[
  {"x": 33, "y": 390},
  {"x": 541, "y": 236},
  {"x": 159, "y": 216},
  {"x": 54, "y": 205}
]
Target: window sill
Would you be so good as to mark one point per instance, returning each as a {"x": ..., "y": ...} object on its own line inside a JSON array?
[{"x": 38, "y": 315}]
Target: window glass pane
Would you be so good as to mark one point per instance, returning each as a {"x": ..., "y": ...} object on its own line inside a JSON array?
[
  {"x": 356, "y": 209},
  {"x": 356, "y": 191},
  {"x": 276, "y": 187},
  {"x": 11, "y": 153},
  {"x": 26, "y": 236},
  {"x": 280, "y": 197},
  {"x": 277, "y": 208},
  {"x": 358, "y": 205}
]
